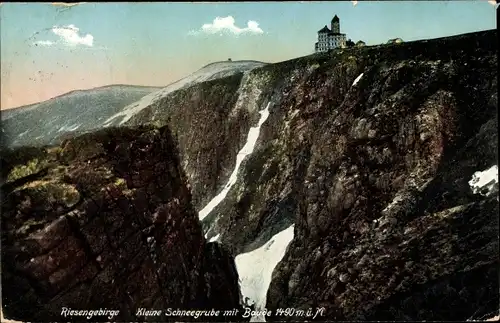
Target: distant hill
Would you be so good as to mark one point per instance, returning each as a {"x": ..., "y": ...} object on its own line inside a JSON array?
[
  {"x": 42, "y": 123},
  {"x": 7, "y": 113},
  {"x": 84, "y": 110}
]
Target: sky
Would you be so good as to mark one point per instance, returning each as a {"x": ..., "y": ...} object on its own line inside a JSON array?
[{"x": 48, "y": 50}]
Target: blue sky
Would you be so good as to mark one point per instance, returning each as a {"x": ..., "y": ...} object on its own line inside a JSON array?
[{"x": 95, "y": 44}]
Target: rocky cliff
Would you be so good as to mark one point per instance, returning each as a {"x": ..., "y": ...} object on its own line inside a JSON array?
[
  {"x": 105, "y": 223},
  {"x": 369, "y": 153},
  {"x": 359, "y": 184}
]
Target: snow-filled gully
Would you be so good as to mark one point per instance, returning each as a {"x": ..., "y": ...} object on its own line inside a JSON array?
[
  {"x": 254, "y": 268},
  {"x": 247, "y": 149}
]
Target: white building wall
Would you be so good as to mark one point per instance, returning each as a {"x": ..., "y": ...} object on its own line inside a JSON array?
[{"x": 327, "y": 42}]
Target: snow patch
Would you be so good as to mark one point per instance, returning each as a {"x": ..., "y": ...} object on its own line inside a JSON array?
[
  {"x": 394, "y": 202},
  {"x": 294, "y": 113},
  {"x": 255, "y": 268},
  {"x": 247, "y": 149},
  {"x": 73, "y": 127},
  {"x": 213, "y": 239},
  {"x": 485, "y": 182},
  {"x": 357, "y": 79},
  {"x": 23, "y": 133}
]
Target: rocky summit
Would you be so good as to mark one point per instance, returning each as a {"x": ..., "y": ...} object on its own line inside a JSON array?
[{"x": 357, "y": 184}]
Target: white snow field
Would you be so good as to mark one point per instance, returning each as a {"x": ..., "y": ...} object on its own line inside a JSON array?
[{"x": 255, "y": 269}]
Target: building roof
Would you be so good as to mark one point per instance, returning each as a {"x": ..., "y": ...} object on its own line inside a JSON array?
[
  {"x": 331, "y": 33},
  {"x": 324, "y": 30},
  {"x": 395, "y": 40},
  {"x": 335, "y": 19}
]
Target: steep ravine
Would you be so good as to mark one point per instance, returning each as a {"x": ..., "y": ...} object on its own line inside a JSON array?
[
  {"x": 210, "y": 132},
  {"x": 369, "y": 153}
]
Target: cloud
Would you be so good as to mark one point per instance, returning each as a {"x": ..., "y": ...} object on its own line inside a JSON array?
[
  {"x": 67, "y": 4},
  {"x": 227, "y": 25},
  {"x": 493, "y": 3},
  {"x": 43, "y": 43},
  {"x": 70, "y": 35}
]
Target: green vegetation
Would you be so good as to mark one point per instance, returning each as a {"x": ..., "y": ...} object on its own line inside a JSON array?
[
  {"x": 52, "y": 192},
  {"x": 32, "y": 167}
]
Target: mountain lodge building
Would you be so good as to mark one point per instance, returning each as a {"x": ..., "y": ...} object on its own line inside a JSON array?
[{"x": 330, "y": 39}]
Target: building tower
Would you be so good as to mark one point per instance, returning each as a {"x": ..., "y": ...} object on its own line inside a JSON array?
[
  {"x": 330, "y": 38},
  {"x": 335, "y": 25}
]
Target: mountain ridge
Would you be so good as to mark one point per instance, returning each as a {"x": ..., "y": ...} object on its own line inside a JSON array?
[
  {"x": 129, "y": 85},
  {"x": 82, "y": 91}
]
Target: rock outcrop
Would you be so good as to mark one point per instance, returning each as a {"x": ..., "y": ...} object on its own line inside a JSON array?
[
  {"x": 105, "y": 222},
  {"x": 369, "y": 152}
]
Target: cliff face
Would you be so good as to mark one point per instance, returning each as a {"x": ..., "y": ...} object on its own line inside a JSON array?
[
  {"x": 387, "y": 225},
  {"x": 105, "y": 221},
  {"x": 369, "y": 152},
  {"x": 209, "y": 131}
]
